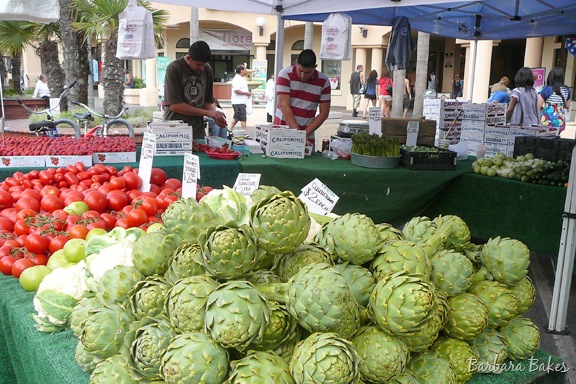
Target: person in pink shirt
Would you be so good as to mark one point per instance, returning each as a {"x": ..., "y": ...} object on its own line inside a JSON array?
[{"x": 385, "y": 85}]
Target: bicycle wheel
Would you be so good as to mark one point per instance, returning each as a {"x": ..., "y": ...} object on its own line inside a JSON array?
[
  {"x": 66, "y": 123},
  {"x": 123, "y": 122}
]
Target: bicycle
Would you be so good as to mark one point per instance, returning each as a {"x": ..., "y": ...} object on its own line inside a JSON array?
[
  {"x": 49, "y": 126},
  {"x": 101, "y": 130}
]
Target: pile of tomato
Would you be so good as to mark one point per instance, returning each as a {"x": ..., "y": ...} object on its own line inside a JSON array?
[{"x": 42, "y": 209}]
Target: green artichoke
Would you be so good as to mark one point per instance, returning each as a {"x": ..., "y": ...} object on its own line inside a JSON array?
[
  {"x": 506, "y": 259},
  {"x": 260, "y": 368},
  {"x": 264, "y": 276},
  {"x": 525, "y": 294},
  {"x": 467, "y": 318},
  {"x": 388, "y": 232},
  {"x": 262, "y": 192},
  {"x": 280, "y": 222},
  {"x": 382, "y": 356},
  {"x": 490, "y": 347},
  {"x": 459, "y": 354},
  {"x": 186, "y": 261},
  {"x": 500, "y": 301},
  {"x": 116, "y": 284},
  {"x": 153, "y": 253},
  {"x": 279, "y": 330},
  {"x": 236, "y": 315},
  {"x": 522, "y": 337},
  {"x": 187, "y": 219},
  {"x": 325, "y": 358},
  {"x": 398, "y": 256},
  {"x": 81, "y": 312},
  {"x": 456, "y": 231},
  {"x": 420, "y": 341},
  {"x": 306, "y": 254},
  {"x": 193, "y": 357},
  {"x": 405, "y": 377},
  {"x": 186, "y": 302},
  {"x": 87, "y": 360},
  {"x": 112, "y": 370},
  {"x": 352, "y": 237},
  {"x": 360, "y": 280},
  {"x": 452, "y": 272},
  {"x": 401, "y": 303},
  {"x": 429, "y": 368},
  {"x": 418, "y": 229},
  {"x": 229, "y": 251},
  {"x": 148, "y": 297}
]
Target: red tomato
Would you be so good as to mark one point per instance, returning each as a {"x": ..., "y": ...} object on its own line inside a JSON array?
[
  {"x": 71, "y": 178},
  {"x": 136, "y": 217},
  {"x": 50, "y": 190},
  {"x": 57, "y": 243},
  {"x": 122, "y": 222},
  {"x": 50, "y": 203},
  {"x": 32, "y": 193},
  {"x": 98, "y": 223},
  {"x": 109, "y": 220},
  {"x": 91, "y": 214},
  {"x": 20, "y": 265},
  {"x": 148, "y": 204},
  {"x": 132, "y": 180},
  {"x": 27, "y": 203},
  {"x": 39, "y": 259},
  {"x": 6, "y": 224},
  {"x": 78, "y": 231},
  {"x": 117, "y": 200},
  {"x": 158, "y": 176},
  {"x": 21, "y": 227},
  {"x": 6, "y": 263},
  {"x": 27, "y": 212},
  {"x": 133, "y": 193},
  {"x": 96, "y": 201},
  {"x": 46, "y": 177},
  {"x": 36, "y": 243},
  {"x": 117, "y": 183},
  {"x": 175, "y": 182},
  {"x": 6, "y": 199}
]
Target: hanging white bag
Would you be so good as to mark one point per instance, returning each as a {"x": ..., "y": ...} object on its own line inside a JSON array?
[
  {"x": 336, "y": 37},
  {"x": 135, "y": 34}
]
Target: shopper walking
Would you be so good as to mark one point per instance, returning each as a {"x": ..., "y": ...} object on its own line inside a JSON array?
[
  {"x": 239, "y": 97},
  {"x": 385, "y": 85},
  {"x": 356, "y": 81},
  {"x": 371, "y": 90}
]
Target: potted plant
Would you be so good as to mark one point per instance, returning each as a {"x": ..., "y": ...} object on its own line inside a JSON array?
[{"x": 374, "y": 151}]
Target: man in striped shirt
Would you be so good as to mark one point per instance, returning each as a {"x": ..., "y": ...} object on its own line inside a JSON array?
[{"x": 300, "y": 90}]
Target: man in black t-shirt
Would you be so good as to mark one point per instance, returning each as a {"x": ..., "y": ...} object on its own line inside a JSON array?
[
  {"x": 356, "y": 82},
  {"x": 188, "y": 93}
]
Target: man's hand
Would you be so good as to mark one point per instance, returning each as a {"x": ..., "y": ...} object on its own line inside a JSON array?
[{"x": 218, "y": 117}]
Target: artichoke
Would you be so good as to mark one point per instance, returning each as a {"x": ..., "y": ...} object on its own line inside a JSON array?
[
  {"x": 260, "y": 368},
  {"x": 81, "y": 312},
  {"x": 87, "y": 360},
  {"x": 525, "y": 294},
  {"x": 522, "y": 337},
  {"x": 418, "y": 229},
  {"x": 388, "y": 232},
  {"x": 186, "y": 302},
  {"x": 452, "y": 272},
  {"x": 236, "y": 315},
  {"x": 352, "y": 237},
  {"x": 506, "y": 259},
  {"x": 264, "y": 276},
  {"x": 401, "y": 255},
  {"x": 382, "y": 356},
  {"x": 186, "y": 262},
  {"x": 459, "y": 354},
  {"x": 456, "y": 231},
  {"x": 306, "y": 254},
  {"x": 325, "y": 358},
  {"x": 500, "y": 301},
  {"x": 401, "y": 303},
  {"x": 429, "y": 368},
  {"x": 405, "y": 377},
  {"x": 153, "y": 253},
  {"x": 193, "y": 357},
  {"x": 112, "y": 370},
  {"x": 280, "y": 329},
  {"x": 148, "y": 297},
  {"x": 423, "y": 339},
  {"x": 262, "y": 192},
  {"x": 280, "y": 222},
  {"x": 116, "y": 284},
  {"x": 360, "y": 280},
  {"x": 490, "y": 347},
  {"x": 187, "y": 219},
  {"x": 229, "y": 251},
  {"x": 467, "y": 317}
]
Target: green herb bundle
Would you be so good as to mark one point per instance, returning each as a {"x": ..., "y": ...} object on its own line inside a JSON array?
[{"x": 374, "y": 145}]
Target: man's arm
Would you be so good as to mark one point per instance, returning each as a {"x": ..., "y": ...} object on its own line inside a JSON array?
[
  {"x": 208, "y": 111},
  {"x": 284, "y": 106},
  {"x": 324, "y": 111}
]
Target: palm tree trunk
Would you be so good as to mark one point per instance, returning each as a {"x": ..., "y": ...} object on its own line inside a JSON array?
[
  {"x": 16, "y": 63},
  {"x": 423, "y": 51},
  {"x": 3, "y": 73},
  {"x": 48, "y": 52},
  {"x": 112, "y": 79},
  {"x": 75, "y": 52}
]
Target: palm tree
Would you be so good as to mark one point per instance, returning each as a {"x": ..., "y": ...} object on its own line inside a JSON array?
[
  {"x": 100, "y": 18},
  {"x": 14, "y": 36}
]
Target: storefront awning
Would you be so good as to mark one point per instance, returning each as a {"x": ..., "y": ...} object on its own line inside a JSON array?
[{"x": 225, "y": 40}]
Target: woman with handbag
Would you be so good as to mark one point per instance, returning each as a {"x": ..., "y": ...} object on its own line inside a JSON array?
[
  {"x": 554, "y": 100},
  {"x": 385, "y": 96}
]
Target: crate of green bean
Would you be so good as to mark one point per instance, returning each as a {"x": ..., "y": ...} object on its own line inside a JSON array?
[{"x": 427, "y": 157}]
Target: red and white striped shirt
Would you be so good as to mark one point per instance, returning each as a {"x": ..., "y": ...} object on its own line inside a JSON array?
[{"x": 304, "y": 96}]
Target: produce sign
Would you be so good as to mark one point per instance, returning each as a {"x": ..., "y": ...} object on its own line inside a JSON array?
[{"x": 234, "y": 290}]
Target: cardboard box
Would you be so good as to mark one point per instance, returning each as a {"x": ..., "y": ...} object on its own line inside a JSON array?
[
  {"x": 113, "y": 157},
  {"x": 22, "y": 161},
  {"x": 397, "y": 128},
  {"x": 285, "y": 143},
  {"x": 63, "y": 161},
  {"x": 173, "y": 138}
]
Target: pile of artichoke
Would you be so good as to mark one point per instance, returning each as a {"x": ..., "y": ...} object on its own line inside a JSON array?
[{"x": 290, "y": 297}]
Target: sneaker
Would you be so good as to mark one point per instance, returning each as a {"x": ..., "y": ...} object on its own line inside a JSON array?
[{"x": 354, "y": 114}]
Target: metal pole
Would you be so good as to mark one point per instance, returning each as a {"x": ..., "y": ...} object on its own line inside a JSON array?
[{"x": 90, "y": 75}]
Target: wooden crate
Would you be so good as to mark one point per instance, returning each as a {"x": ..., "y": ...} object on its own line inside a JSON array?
[{"x": 397, "y": 128}]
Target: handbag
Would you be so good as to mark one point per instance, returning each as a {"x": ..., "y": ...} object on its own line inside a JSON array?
[
  {"x": 362, "y": 89},
  {"x": 389, "y": 88}
]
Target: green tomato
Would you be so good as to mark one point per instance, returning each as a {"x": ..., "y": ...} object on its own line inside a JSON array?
[
  {"x": 95, "y": 232},
  {"x": 74, "y": 250},
  {"x": 58, "y": 260},
  {"x": 31, "y": 278},
  {"x": 77, "y": 208}
]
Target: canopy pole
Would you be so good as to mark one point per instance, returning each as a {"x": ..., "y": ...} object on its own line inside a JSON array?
[{"x": 279, "y": 49}]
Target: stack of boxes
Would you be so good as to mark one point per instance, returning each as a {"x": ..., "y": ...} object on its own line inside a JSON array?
[
  {"x": 282, "y": 142},
  {"x": 448, "y": 117},
  {"x": 172, "y": 137},
  {"x": 482, "y": 125}
]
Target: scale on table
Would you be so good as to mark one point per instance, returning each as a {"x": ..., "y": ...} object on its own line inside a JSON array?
[{"x": 348, "y": 128}]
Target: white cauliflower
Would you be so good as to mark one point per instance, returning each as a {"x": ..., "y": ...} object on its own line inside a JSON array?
[{"x": 108, "y": 258}]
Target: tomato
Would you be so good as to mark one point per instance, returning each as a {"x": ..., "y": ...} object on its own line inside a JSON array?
[
  {"x": 148, "y": 204},
  {"x": 39, "y": 259},
  {"x": 109, "y": 220},
  {"x": 57, "y": 243},
  {"x": 36, "y": 243},
  {"x": 21, "y": 227},
  {"x": 133, "y": 193},
  {"x": 6, "y": 199},
  {"x": 50, "y": 203},
  {"x": 132, "y": 180},
  {"x": 50, "y": 190},
  {"x": 6, "y": 263},
  {"x": 77, "y": 231},
  {"x": 74, "y": 250},
  {"x": 80, "y": 166},
  {"x": 46, "y": 177},
  {"x": 169, "y": 200},
  {"x": 95, "y": 232},
  {"x": 20, "y": 265},
  {"x": 96, "y": 201},
  {"x": 27, "y": 203},
  {"x": 31, "y": 278},
  {"x": 76, "y": 208},
  {"x": 158, "y": 176},
  {"x": 117, "y": 200},
  {"x": 174, "y": 182},
  {"x": 117, "y": 183},
  {"x": 90, "y": 214},
  {"x": 98, "y": 223},
  {"x": 70, "y": 178},
  {"x": 24, "y": 213},
  {"x": 6, "y": 224},
  {"x": 136, "y": 217},
  {"x": 71, "y": 220},
  {"x": 32, "y": 193},
  {"x": 122, "y": 222}
]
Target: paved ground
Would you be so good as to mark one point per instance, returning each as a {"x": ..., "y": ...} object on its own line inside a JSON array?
[{"x": 541, "y": 270}]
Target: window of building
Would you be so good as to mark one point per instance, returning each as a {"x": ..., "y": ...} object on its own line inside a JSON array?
[
  {"x": 298, "y": 45},
  {"x": 183, "y": 43}
]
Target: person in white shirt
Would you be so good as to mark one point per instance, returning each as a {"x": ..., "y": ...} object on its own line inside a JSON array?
[
  {"x": 270, "y": 99},
  {"x": 42, "y": 91},
  {"x": 239, "y": 97}
]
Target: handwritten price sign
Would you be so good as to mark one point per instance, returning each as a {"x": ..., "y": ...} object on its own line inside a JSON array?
[
  {"x": 318, "y": 197},
  {"x": 190, "y": 175}
]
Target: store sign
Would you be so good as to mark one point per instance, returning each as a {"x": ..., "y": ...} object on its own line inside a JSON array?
[{"x": 227, "y": 39}]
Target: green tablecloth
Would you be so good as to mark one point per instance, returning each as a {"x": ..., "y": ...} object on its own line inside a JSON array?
[{"x": 31, "y": 357}]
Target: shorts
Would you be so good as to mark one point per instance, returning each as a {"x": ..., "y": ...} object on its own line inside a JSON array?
[
  {"x": 406, "y": 101},
  {"x": 386, "y": 97},
  {"x": 239, "y": 112},
  {"x": 370, "y": 97}
]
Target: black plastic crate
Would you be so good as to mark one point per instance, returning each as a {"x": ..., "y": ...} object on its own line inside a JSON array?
[
  {"x": 436, "y": 159},
  {"x": 551, "y": 149}
]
